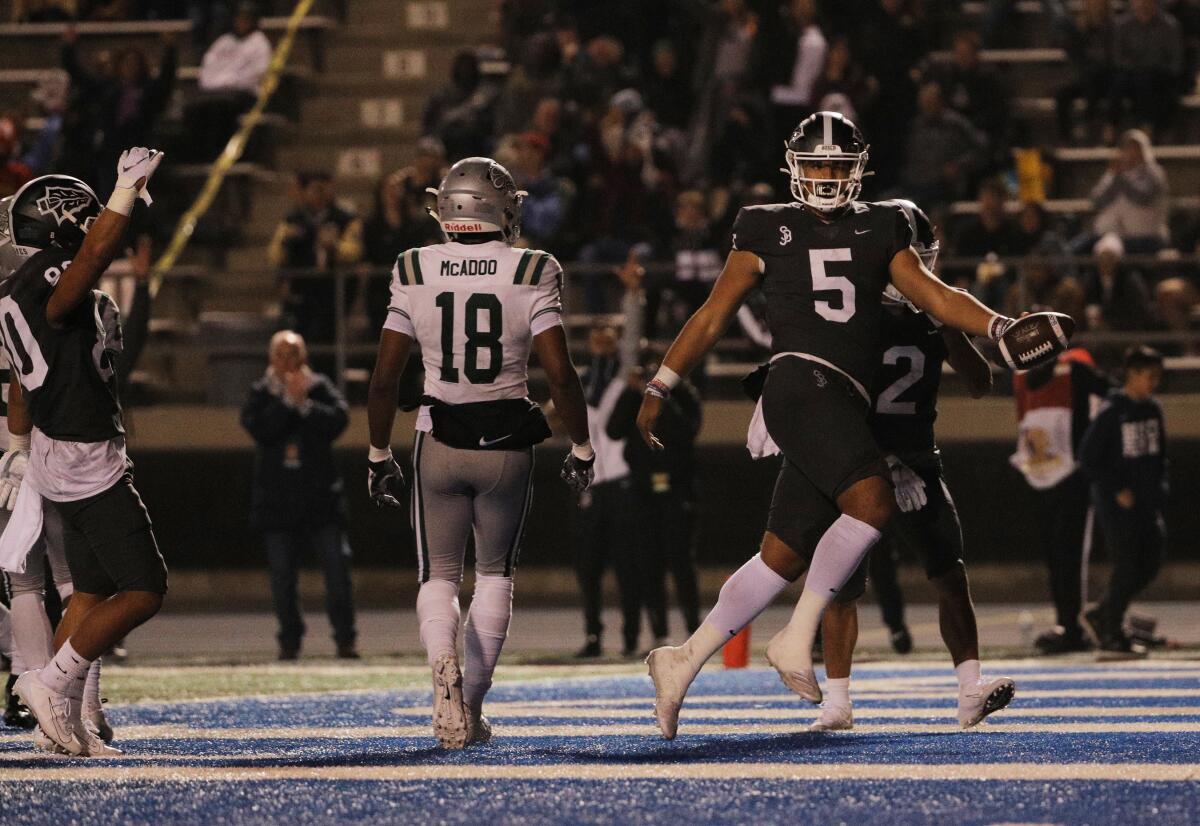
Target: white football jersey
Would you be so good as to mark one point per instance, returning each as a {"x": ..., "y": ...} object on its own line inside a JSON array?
[{"x": 474, "y": 309}]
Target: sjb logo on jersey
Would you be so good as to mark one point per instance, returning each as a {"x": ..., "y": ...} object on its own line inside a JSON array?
[
  {"x": 785, "y": 236},
  {"x": 65, "y": 204}
]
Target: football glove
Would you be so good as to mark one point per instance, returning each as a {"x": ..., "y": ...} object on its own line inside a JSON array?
[
  {"x": 910, "y": 488},
  {"x": 12, "y": 473},
  {"x": 385, "y": 483},
  {"x": 578, "y": 473},
  {"x": 138, "y": 164}
]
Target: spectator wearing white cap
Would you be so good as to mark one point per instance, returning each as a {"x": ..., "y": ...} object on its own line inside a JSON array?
[{"x": 1116, "y": 296}]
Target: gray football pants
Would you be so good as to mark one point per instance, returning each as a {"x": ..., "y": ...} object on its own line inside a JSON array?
[
  {"x": 50, "y": 547},
  {"x": 457, "y": 493}
]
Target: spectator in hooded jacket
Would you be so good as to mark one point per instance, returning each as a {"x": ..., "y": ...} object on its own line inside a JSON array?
[{"x": 1131, "y": 199}]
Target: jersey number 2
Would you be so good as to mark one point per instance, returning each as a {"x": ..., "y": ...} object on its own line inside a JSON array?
[
  {"x": 817, "y": 259},
  {"x": 477, "y": 339},
  {"x": 916, "y": 368}
]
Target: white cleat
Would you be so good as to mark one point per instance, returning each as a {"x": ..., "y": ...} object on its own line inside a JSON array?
[
  {"x": 795, "y": 670},
  {"x": 834, "y": 718},
  {"x": 57, "y": 715},
  {"x": 94, "y": 719},
  {"x": 672, "y": 675},
  {"x": 479, "y": 729},
  {"x": 43, "y": 743},
  {"x": 987, "y": 696},
  {"x": 94, "y": 746},
  {"x": 449, "y": 713}
]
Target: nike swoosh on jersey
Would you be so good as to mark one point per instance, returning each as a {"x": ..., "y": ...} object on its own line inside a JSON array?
[
  {"x": 489, "y": 442},
  {"x": 861, "y": 231}
]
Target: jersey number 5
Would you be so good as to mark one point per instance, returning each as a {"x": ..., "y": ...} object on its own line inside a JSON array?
[
  {"x": 477, "y": 339},
  {"x": 817, "y": 259}
]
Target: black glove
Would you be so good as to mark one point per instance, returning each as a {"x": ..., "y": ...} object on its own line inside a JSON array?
[
  {"x": 578, "y": 473},
  {"x": 385, "y": 483}
]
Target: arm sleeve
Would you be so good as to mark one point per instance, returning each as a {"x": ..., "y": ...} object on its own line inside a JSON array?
[
  {"x": 328, "y": 414},
  {"x": 266, "y": 418},
  {"x": 546, "y": 309},
  {"x": 1096, "y": 454},
  {"x": 399, "y": 318}
]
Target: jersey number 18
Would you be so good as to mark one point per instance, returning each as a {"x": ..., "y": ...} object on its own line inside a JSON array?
[{"x": 477, "y": 339}]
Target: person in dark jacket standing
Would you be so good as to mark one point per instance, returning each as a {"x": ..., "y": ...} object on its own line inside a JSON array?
[
  {"x": 294, "y": 416},
  {"x": 1124, "y": 456}
]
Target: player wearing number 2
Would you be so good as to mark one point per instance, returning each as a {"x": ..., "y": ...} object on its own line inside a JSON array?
[
  {"x": 823, "y": 263},
  {"x": 476, "y": 306},
  {"x": 61, "y": 335}
]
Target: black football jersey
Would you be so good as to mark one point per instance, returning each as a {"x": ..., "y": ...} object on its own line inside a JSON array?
[
  {"x": 66, "y": 372},
  {"x": 905, "y": 388},
  {"x": 823, "y": 281}
]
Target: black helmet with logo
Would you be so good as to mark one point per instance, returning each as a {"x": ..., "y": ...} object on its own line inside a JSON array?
[
  {"x": 51, "y": 211},
  {"x": 826, "y": 139}
]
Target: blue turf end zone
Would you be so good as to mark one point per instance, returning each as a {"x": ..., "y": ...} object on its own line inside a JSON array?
[{"x": 1104, "y": 743}]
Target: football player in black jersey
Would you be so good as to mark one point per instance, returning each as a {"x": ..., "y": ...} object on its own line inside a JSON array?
[
  {"x": 823, "y": 262},
  {"x": 904, "y": 392},
  {"x": 61, "y": 335}
]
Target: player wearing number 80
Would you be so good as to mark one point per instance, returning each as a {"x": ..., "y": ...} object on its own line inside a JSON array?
[
  {"x": 477, "y": 307},
  {"x": 823, "y": 262}
]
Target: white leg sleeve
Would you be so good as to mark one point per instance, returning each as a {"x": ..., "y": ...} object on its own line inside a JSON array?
[
  {"x": 56, "y": 552},
  {"x": 32, "y": 637},
  {"x": 438, "y": 615},
  {"x": 484, "y": 635}
]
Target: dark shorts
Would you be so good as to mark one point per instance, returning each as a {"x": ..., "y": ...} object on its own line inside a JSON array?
[
  {"x": 933, "y": 533},
  {"x": 820, "y": 422},
  {"x": 110, "y": 543}
]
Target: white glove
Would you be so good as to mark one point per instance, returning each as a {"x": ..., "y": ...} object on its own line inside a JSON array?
[
  {"x": 134, "y": 170},
  {"x": 12, "y": 473},
  {"x": 910, "y": 488}
]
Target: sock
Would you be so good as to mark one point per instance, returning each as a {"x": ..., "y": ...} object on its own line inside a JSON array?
[
  {"x": 91, "y": 687},
  {"x": 6, "y": 646},
  {"x": 837, "y": 691},
  {"x": 484, "y": 634},
  {"x": 66, "y": 590},
  {"x": 743, "y": 597},
  {"x": 968, "y": 674},
  {"x": 438, "y": 615},
  {"x": 838, "y": 554},
  {"x": 31, "y": 629},
  {"x": 67, "y": 672}
]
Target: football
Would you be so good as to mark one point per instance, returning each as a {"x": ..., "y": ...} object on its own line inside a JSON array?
[{"x": 1036, "y": 339}]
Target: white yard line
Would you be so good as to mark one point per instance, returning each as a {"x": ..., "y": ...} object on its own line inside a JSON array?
[{"x": 800, "y": 772}]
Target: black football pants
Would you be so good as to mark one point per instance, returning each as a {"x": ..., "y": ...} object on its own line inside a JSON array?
[
  {"x": 665, "y": 529},
  {"x": 1061, "y": 515},
  {"x": 604, "y": 534}
]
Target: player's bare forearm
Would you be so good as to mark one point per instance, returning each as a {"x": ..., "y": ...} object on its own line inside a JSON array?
[
  {"x": 19, "y": 422},
  {"x": 954, "y": 308},
  {"x": 100, "y": 247},
  {"x": 565, "y": 390},
  {"x": 968, "y": 362},
  {"x": 384, "y": 390},
  {"x": 706, "y": 326}
]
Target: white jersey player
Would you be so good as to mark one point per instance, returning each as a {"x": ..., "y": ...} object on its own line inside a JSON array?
[{"x": 477, "y": 307}]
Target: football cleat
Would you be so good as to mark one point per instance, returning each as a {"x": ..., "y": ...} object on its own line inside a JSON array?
[
  {"x": 95, "y": 721},
  {"x": 449, "y": 713},
  {"x": 834, "y": 718},
  {"x": 672, "y": 675},
  {"x": 1059, "y": 640},
  {"x": 95, "y": 747},
  {"x": 43, "y": 743},
  {"x": 57, "y": 715},
  {"x": 902, "y": 641},
  {"x": 985, "y": 697},
  {"x": 16, "y": 715},
  {"x": 795, "y": 671},
  {"x": 479, "y": 729}
]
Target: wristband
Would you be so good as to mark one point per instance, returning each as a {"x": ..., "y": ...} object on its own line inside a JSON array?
[
  {"x": 668, "y": 377},
  {"x": 998, "y": 326},
  {"x": 583, "y": 452},
  {"x": 122, "y": 200},
  {"x": 379, "y": 454},
  {"x": 656, "y": 388},
  {"x": 18, "y": 441}
]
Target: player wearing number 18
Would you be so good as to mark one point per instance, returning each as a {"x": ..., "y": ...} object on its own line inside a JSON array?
[
  {"x": 476, "y": 306},
  {"x": 61, "y": 336},
  {"x": 823, "y": 262}
]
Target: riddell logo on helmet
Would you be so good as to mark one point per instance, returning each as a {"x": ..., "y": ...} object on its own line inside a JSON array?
[{"x": 454, "y": 226}]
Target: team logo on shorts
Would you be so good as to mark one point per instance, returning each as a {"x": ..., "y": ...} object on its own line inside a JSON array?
[
  {"x": 64, "y": 204},
  {"x": 820, "y": 377},
  {"x": 785, "y": 236}
]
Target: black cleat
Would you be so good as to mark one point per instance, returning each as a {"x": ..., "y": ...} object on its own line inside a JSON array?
[
  {"x": 591, "y": 649},
  {"x": 348, "y": 652},
  {"x": 16, "y": 715},
  {"x": 1059, "y": 640},
  {"x": 902, "y": 642},
  {"x": 288, "y": 653}
]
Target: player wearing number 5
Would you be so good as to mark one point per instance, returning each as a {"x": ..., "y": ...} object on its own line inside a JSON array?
[
  {"x": 477, "y": 307},
  {"x": 61, "y": 336},
  {"x": 823, "y": 262}
]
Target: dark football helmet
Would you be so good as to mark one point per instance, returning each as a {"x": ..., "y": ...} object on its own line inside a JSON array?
[
  {"x": 51, "y": 211},
  {"x": 831, "y": 140},
  {"x": 924, "y": 241}
]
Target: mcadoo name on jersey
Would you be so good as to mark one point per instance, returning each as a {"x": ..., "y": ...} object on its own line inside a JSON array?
[{"x": 474, "y": 309}]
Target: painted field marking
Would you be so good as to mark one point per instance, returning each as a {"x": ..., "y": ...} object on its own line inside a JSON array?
[{"x": 801, "y": 772}]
